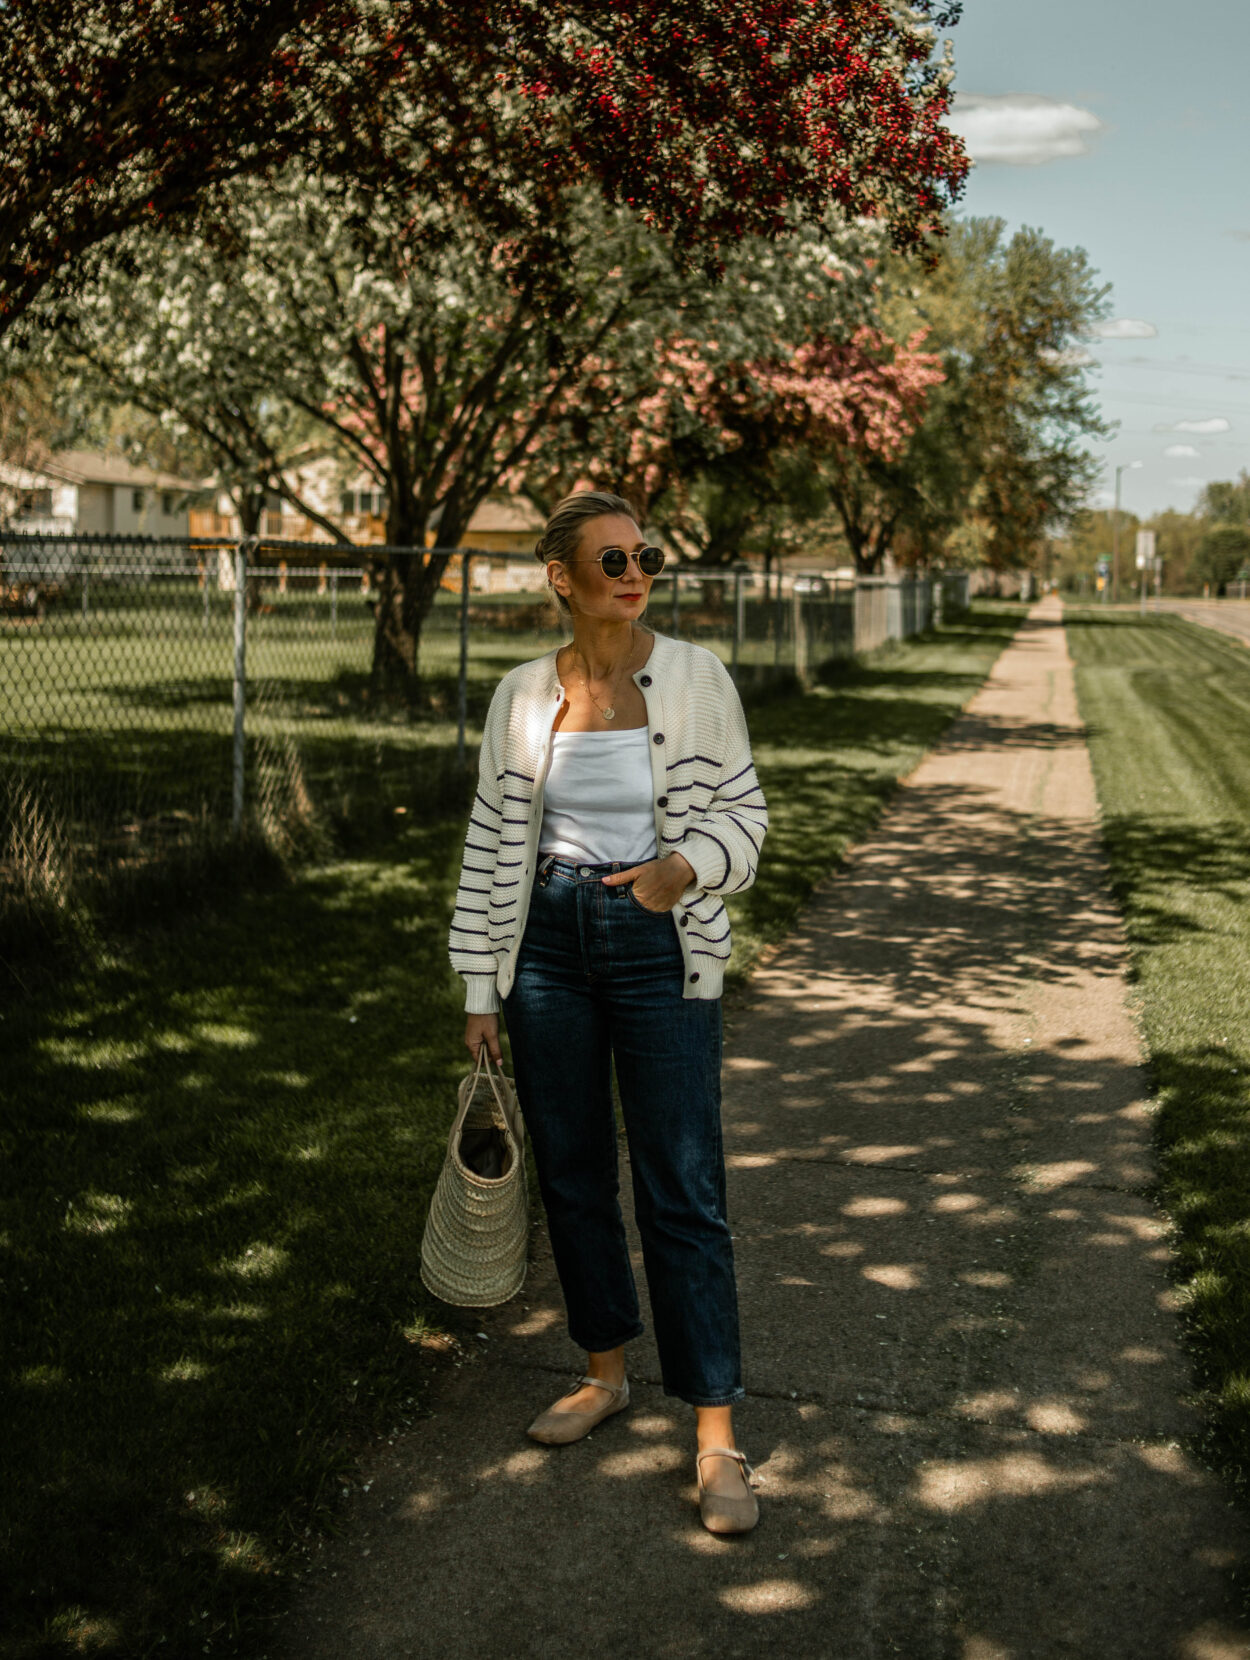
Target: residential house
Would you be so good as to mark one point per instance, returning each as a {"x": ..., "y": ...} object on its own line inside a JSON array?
[
  {"x": 87, "y": 492},
  {"x": 502, "y": 525},
  {"x": 356, "y": 504}
]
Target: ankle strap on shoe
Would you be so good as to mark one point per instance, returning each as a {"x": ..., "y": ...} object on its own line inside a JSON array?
[
  {"x": 612, "y": 1388},
  {"x": 724, "y": 1452}
]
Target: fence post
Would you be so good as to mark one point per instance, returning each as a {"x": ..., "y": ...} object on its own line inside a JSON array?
[
  {"x": 84, "y": 596},
  {"x": 738, "y": 623},
  {"x": 334, "y": 604},
  {"x": 800, "y": 641},
  {"x": 676, "y": 616},
  {"x": 240, "y": 680},
  {"x": 462, "y": 694}
]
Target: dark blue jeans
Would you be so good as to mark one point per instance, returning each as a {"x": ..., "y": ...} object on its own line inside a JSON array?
[{"x": 599, "y": 980}]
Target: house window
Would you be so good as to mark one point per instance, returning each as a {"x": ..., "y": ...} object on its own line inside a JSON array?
[
  {"x": 34, "y": 504},
  {"x": 364, "y": 503},
  {"x": 136, "y": 501},
  {"x": 167, "y": 503}
]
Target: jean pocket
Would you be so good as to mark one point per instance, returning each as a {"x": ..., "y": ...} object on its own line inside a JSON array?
[{"x": 639, "y": 906}]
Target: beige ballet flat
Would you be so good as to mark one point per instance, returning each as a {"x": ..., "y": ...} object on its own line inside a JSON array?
[
  {"x": 738, "y": 1514},
  {"x": 557, "y": 1429}
]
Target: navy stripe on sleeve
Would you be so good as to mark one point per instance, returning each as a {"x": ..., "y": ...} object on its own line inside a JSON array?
[{"x": 697, "y": 830}]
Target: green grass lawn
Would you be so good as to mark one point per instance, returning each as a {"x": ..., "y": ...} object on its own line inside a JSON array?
[
  {"x": 1168, "y": 708},
  {"x": 126, "y": 718},
  {"x": 220, "y": 1138}
]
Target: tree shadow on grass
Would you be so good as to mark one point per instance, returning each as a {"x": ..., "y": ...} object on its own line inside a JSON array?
[
  {"x": 1203, "y": 1134},
  {"x": 1157, "y": 862},
  {"x": 216, "y": 1189}
]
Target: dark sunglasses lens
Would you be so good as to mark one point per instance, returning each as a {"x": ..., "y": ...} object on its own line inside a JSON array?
[
  {"x": 651, "y": 561},
  {"x": 615, "y": 562}
]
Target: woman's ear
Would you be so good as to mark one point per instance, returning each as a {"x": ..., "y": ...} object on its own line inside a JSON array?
[{"x": 558, "y": 577}]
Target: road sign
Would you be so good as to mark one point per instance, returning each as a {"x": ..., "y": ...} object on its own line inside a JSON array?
[{"x": 1145, "y": 550}]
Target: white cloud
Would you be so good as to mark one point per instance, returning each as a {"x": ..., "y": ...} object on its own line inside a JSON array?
[
  {"x": 1124, "y": 328},
  {"x": 1179, "y": 452},
  {"x": 1188, "y": 482},
  {"x": 1204, "y": 429},
  {"x": 1020, "y": 128},
  {"x": 1240, "y": 236}
]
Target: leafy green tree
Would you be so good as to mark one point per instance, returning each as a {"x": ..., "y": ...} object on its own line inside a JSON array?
[
  {"x": 1226, "y": 501},
  {"x": 1223, "y": 554},
  {"x": 999, "y": 463}
]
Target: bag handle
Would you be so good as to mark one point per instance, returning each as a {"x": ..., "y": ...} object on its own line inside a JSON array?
[
  {"x": 494, "y": 1077},
  {"x": 501, "y": 1095}
]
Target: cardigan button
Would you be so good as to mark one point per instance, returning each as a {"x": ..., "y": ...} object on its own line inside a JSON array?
[
  {"x": 658, "y": 739},
  {"x": 661, "y": 801},
  {"x": 682, "y": 921},
  {"x": 694, "y": 976},
  {"x": 644, "y": 680}
]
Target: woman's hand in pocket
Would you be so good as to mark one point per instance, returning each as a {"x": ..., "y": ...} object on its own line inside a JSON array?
[
  {"x": 482, "y": 1029},
  {"x": 658, "y": 884}
]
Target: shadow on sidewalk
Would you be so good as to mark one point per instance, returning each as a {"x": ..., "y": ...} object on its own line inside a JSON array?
[{"x": 960, "y": 1345}]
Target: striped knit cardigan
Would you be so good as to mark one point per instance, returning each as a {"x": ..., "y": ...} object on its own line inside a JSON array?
[{"x": 708, "y": 804}]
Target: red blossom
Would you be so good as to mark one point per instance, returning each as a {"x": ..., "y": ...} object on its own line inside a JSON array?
[{"x": 714, "y": 118}]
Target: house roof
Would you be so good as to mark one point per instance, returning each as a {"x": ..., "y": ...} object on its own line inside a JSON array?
[
  {"x": 516, "y": 514},
  {"x": 511, "y": 513},
  {"x": 98, "y": 467}
]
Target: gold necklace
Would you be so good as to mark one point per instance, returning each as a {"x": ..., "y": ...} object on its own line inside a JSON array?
[{"x": 610, "y": 712}]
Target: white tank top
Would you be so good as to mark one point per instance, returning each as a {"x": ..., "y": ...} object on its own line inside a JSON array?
[{"x": 597, "y": 798}]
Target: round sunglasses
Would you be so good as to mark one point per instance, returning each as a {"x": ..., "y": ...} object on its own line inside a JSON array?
[{"x": 614, "y": 562}]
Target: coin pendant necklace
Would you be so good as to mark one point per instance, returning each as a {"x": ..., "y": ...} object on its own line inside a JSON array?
[{"x": 610, "y": 712}]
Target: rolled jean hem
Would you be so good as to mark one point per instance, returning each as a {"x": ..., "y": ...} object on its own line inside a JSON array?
[
  {"x": 602, "y": 1348},
  {"x": 731, "y": 1399}
]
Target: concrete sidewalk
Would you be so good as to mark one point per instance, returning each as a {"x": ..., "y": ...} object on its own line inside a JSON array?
[{"x": 966, "y": 1393}]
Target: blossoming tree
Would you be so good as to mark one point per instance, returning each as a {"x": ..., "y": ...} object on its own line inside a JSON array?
[
  {"x": 432, "y": 361},
  {"x": 710, "y": 118}
]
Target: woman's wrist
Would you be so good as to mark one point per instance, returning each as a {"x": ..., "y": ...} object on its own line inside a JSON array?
[{"x": 679, "y": 863}]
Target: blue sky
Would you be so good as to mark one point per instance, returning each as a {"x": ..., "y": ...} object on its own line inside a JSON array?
[{"x": 1123, "y": 127}]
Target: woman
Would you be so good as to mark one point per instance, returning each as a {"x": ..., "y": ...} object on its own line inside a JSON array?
[{"x": 617, "y": 803}]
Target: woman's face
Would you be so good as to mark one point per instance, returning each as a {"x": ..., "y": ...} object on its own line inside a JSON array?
[{"x": 581, "y": 580}]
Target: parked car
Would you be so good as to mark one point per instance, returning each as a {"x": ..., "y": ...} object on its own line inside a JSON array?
[{"x": 811, "y": 587}]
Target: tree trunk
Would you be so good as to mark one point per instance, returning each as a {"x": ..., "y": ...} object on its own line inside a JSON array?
[
  {"x": 719, "y": 553},
  {"x": 405, "y": 586},
  {"x": 867, "y": 549},
  {"x": 251, "y": 504}
]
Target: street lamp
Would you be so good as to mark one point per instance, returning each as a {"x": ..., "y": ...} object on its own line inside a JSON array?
[{"x": 1124, "y": 467}]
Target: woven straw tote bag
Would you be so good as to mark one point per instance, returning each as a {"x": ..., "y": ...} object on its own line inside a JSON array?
[{"x": 474, "y": 1247}]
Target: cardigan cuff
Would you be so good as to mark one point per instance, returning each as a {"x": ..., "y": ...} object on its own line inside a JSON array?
[
  {"x": 706, "y": 860},
  {"x": 480, "y": 994}
]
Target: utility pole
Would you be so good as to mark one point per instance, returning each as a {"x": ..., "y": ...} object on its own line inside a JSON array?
[{"x": 1124, "y": 467}]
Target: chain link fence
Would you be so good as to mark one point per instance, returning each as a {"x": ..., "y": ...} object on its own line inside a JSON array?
[{"x": 157, "y": 693}]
